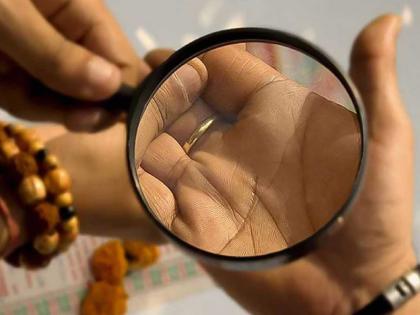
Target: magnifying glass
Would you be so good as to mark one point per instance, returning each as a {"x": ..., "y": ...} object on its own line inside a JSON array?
[{"x": 246, "y": 146}]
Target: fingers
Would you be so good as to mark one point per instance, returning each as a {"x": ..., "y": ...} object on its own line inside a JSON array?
[
  {"x": 175, "y": 96},
  {"x": 60, "y": 64},
  {"x": 165, "y": 160},
  {"x": 182, "y": 128},
  {"x": 91, "y": 24},
  {"x": 373, "y": 69},
  {"x": 18, "y": 93},
  {"x": 234, "y": 75},
  {"x": 157, "y": 56}
]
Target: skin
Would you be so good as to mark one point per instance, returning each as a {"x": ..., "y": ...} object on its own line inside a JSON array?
[
  {"x": 385, "y": 252},
  {"x": 56, "y": 50},
  {"x": 64, "y": 39},
  {"x": 369, "y": 252},
  {"x": 248, "y": 197},
  {"x": 349, "y": 271}
]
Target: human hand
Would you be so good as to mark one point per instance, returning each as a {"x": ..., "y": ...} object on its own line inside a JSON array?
[
  {"x": 374, "y": 247},
  {"x": 73, "y": 47},
  {"x": 258, "y": 182},
  {"x": 103, "y": 193}
]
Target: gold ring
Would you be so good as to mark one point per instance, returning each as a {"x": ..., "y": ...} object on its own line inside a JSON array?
[{"x": 204, "y": 126}]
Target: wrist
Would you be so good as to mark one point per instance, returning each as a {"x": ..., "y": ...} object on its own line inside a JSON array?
[
  {"x": 106, "y": 201},
  {"x": 380, "y": 276}
]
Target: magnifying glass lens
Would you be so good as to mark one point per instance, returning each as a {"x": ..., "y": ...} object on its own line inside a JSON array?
[{"x": 248, "y": 149}]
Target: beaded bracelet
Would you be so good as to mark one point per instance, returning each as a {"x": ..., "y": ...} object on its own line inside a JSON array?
[{"x": 44, "y": 191}]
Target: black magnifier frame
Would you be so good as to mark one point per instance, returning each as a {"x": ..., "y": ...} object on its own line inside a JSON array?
[{"x": 144, "y": 93}]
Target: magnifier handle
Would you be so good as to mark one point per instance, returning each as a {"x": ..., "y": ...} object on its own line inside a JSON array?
[{"x": 121, "y": 100}]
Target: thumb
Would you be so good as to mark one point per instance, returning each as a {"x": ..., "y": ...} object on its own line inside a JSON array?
[
  {"x": 60, "y": 64},
  {"x": 373, "y": 69}
]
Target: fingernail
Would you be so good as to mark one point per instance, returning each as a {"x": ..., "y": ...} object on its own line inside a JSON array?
[{"x": 103, "y": 77}]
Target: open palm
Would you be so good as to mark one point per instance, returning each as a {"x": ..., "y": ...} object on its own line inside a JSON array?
[{"x": 265, "y": 178}]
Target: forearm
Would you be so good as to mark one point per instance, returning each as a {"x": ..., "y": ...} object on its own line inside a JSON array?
[
  {"x": 103, "y": 193},
  {"x": 297, "y": 288}
]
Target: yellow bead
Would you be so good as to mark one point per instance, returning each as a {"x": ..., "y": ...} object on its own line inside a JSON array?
[
  {"x": 63, "y": 200},
  {"x": 15, "y": 129},
  {"x": 9, "y": 148},
  {"x": 35, "y": 146},
  {"x": 46, "y": 244},
  {"x": 66, "y": 239},
  {"x": 32, "y": 190},
  {"x": 70, "y": 237},
  {"x": 57, "y": 181},
  {"x": 71, "y": 226},
  {"x": 50, "y": 162},
  {"x": 25, "y": 138}
]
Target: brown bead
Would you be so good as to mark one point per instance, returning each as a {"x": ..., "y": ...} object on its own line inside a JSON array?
[
  {"x": 25, "y": 138},
  {"x": 35, "y": 146},
  {"x": 3, "y": 135},
  {"x": 46, "y": 244},
  {"x": 50, "y": 162},
  {"x": 70, "y": 226},
  {"x": 15, "y": 129},
  {"x": 64, "y": 199},
  {"x": 24, "y": 164},
  {"x": 57, "y": 181},
  {"x": 43, "y": 218},
  {"x": 9, "y": 148},
  {"x": 31, "y": 259},
  {"x": 69, "y": 231},
  {"x": 32, "y": 190},
  {"x": 66, "y": 239}
]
